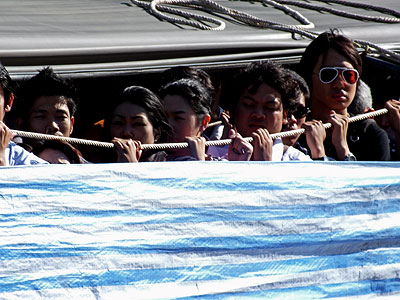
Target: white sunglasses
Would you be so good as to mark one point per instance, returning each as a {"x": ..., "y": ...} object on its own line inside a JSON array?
[{"x": 329, "y": 74}]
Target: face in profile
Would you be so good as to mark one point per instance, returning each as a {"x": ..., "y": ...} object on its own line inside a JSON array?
[
  {"x": 340, "y": 91},
  {"x": 50, "y": 115},
  {"x": 181, "y": 117},
  {"x": 131, "y": 121},
  {"x": 262, "y": 109}
]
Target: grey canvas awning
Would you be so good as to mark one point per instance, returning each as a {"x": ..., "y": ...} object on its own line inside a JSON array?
[{"x": 89, "y": 37}]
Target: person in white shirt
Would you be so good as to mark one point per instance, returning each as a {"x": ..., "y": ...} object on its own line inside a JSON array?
[
  {"x": 10, "y": 153},
  {"x": 256, "y": 98}
]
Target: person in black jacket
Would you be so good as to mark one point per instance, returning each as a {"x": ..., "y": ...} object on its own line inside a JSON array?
[{"x": 332, "y": 66}]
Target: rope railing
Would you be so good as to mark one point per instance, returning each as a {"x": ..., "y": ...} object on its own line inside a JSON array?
[{"x": 182, "y": 145}]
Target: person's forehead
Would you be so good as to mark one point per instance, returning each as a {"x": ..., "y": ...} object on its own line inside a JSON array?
[
  {"x": 128, "y": 109},
  {"x": 264, "y": 93},
  {"x": 176, "y": 103},
  {"x": 50, "y": 102},
  {"x": 332, "y": 58}
]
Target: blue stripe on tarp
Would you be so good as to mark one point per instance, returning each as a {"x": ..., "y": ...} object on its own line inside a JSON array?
[
  {"x": 323, "y": 291},
  {"x": 187, "y": 245},
  {"x": 211, "y": 214},
  {"x": 327, "y": 249},
  {"x": 213, "y": 272}
]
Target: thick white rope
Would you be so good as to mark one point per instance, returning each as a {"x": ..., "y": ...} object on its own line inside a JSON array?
[
  {"x": 166, "y": 146},
  {"x": 346, "y": 14},
  {"x": 157, "y": 6}
]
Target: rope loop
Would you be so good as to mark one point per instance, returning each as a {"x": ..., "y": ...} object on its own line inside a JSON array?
[{"x": 158, "y": 7}]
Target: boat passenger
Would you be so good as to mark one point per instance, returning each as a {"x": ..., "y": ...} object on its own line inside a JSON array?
[
  {"x": 295, "y": 118},
  {"x": 10, "y": 153},
  {"x": 46, "y": 104},
  {"x": 137, "y": 118},
  {"x": 256, "y": 98},
  {"x": 57, "y": 152},
  {"x": 331, "y": 65},
  {"x": 187, "y": 105},
  {"x": 179, "y": 72}
]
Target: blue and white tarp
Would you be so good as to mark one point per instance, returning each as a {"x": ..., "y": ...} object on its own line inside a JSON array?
[{"x": 200, "y": 230}]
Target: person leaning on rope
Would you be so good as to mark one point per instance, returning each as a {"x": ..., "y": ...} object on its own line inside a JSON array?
[
  {"x": 256, "y": 99},
  {"x": 332, "y": 66}
]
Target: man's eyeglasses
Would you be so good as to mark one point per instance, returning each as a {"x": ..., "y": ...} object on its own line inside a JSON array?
[
  {"x": 329, "y": 74},
  {"x": 298, "y": 112}
]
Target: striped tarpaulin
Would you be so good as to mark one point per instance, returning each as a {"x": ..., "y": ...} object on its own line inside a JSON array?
[{"x": 200, "y": 230}]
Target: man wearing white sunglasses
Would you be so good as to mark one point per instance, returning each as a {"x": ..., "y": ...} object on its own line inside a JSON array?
[{"x": 332, "y": 66}]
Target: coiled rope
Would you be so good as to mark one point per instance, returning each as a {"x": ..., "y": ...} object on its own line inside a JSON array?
[
  {"x": 167, "y": 146},
  {"x": 157, "y": 7}
]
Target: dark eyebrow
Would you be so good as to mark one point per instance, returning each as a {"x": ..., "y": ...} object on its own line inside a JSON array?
[
  {"x": 178, "y": 112},
  {"x": 123, "y": 117},
  {"x": 268, "y": 101},
  {"x": 62, "y": 111}
]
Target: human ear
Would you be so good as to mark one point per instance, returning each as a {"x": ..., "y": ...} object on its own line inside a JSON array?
[
  {"x": 157, "y": 134},
  {"x": 206, "y": 120},
  {"x": 9, "y": 104},
  {"x": 72, "y": 124}
]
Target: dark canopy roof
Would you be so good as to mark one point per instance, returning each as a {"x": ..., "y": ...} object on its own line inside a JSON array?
[{"x": 86, "y": 37}]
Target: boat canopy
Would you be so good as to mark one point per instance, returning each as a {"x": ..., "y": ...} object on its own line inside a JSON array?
[{"x": 104, "y": 37}]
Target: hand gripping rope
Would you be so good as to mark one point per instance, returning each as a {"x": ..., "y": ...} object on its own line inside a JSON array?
[{"x": 166, "y": 146}]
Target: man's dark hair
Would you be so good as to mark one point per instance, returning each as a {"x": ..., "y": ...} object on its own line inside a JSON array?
[
  {"x": 298, "y": 86},
  {"x": 180, "y": 72},
  {"x": 325, "y": 41},
  {"x": 45, "y": 83},
  {"x": 193, "y": 91},
  {"x": 250, "y": 79},
  {"x": 6, "y": 83}
]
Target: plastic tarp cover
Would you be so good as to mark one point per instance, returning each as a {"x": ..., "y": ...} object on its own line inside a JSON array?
[{"x": 200, "y": 229}]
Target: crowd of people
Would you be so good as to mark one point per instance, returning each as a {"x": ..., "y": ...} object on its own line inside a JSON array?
[{"x": 263, "y": 98}]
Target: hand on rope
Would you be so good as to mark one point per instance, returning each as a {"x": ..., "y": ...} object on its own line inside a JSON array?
[{"x": 184, "y": 144}]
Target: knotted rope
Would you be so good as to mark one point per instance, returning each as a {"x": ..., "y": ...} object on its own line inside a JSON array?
[
  {"x": 157, "y": 7},
  {"x": 167, "y": 146}
]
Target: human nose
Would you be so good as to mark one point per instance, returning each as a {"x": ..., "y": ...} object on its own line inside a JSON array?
[
  {"x": 258, "y": 113},
  {"x": 339, "y": 80},
  {"x": 127, "y": 132},
  {"x": 52, "y": 128},
  {"x": 292, "y": 119}
]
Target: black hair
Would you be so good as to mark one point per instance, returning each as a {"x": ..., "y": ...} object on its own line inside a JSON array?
[
  {"x": 320, "y": 45},
  {"x": 73, "y": 154},
  {"x": 297, "y": 87},
  {"x": 250, "y": 79},
  {"x": 6, "y": 83},
  {"x": 45, "y": 83},
  {"x": 193, "y": 92},
  {"x": 179, "y": 72},
  {"x": 147, "y": 99}
]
